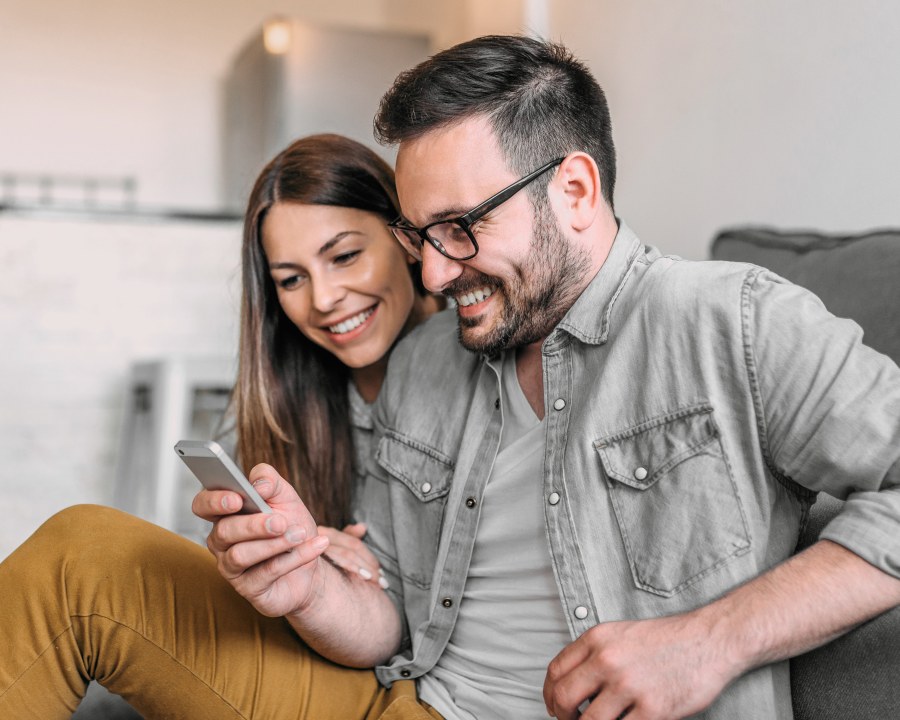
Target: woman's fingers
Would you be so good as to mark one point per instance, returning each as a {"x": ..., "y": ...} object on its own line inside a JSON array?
[{"x": 349, "y": 553}]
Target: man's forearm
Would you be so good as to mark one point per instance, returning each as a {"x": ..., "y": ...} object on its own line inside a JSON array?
[
  {"x": 803, "y": 603},
  {"x": 348, "y": 620}
]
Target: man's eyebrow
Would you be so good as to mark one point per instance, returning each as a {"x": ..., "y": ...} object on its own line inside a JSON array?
[{"x": 446, "y": 214}]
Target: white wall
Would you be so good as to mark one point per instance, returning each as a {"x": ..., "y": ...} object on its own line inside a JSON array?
[
  {"x": 781, "y": 113},
  {"x": 80, "y": 301}
]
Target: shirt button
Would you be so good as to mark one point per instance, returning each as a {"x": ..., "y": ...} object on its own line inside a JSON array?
[
  {"x": 559, "y": 404},
  {"x": 405, "y": 673},
  {"x": 447, "y": 602},
  {"x": 640, "y": 473},
  {"x": 553, "y": 498},
  {"x": 471, "y": 502},
  {"x": 426, "y": 487},
  {"x": 581, "y": 612}
]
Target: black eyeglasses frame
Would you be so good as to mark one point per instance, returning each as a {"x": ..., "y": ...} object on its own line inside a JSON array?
[{"x": 465, "y": 222}]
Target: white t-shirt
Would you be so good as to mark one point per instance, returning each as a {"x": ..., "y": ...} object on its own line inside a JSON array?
[{"x": 510, "y": 622}]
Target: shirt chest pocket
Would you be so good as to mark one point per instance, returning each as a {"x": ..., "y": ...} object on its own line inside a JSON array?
[
  {"x": 674, "y": 498},
  {"x": 420, "y": 480}
]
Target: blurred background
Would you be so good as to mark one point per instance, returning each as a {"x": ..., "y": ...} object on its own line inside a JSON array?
[{"x": 129, "y": 133}]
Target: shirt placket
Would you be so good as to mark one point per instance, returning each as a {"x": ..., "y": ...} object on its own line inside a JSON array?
[
  {"x": 465, "y": 506},
  {"x": 568, "y": 564}
]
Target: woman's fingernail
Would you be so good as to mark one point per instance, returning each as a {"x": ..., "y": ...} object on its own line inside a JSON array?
[
  {"x": 295, "y": 535},
  {"x": 320, "y": 542},
  {"x": 365, "y": 573},
  {"x": 381, "y": 571},
  {"x": 384, "y": 583},
  {"x": 226, "y": 501}
]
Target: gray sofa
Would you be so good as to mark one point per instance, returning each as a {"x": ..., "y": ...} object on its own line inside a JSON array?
[{"x": 858, "y": 276}]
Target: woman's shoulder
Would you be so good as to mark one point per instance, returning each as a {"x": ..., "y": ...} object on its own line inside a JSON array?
[
  {"x": 430, "y": 356},
  {"x": 435, "y": 337}
]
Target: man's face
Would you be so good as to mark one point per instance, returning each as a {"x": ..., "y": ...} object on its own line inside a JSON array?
[{"x": 526, "y": 274}]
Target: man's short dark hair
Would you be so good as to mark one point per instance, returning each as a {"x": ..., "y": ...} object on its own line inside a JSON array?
[{"x": 541, "y": 102}]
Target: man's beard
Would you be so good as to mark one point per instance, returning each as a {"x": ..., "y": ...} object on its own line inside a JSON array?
[{"x": 543, "y": 290}]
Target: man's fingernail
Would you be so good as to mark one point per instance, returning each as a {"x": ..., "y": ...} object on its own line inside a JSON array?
[
  {"x": 295, "y": 535},
  {"x": 381, "y": 571},
  {"x": 226, "y": 502},
  {"x": 384, "y": 583},
  {"x": 365, "y": 573},
  {"x": 319, "y": 542}
]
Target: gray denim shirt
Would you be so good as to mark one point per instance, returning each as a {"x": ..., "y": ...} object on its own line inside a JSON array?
[{"x": 694, "y": 410}]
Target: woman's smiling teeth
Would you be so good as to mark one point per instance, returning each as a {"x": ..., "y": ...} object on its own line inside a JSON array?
[
  {"x": 474, "y": 297},
  {"x": 351, "y": 323}
]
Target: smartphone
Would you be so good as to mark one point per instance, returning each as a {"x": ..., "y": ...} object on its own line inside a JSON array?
[{"x": 216, "y": 471}]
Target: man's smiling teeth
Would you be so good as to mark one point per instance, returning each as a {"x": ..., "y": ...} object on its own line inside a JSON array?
[
  {"x": 474, "y": 297},
  {"x": 351, "y": 323}
]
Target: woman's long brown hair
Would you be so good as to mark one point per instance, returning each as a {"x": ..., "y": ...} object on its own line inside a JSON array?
[{"x": 290, "y": 403}]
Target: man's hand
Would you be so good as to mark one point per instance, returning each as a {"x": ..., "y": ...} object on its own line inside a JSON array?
[
  {"x": 660, "y": 668},
  {"x": 270, "y": 559},
  {"x": 674, "y": 666}
]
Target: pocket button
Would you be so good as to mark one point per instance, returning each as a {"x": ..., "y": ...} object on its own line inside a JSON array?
[
  {"x": 426, "y": 487},
  {"x": 640, "y": 473}
]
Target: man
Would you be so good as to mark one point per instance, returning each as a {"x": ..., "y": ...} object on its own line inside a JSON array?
[{"x": 591, "y": 503}]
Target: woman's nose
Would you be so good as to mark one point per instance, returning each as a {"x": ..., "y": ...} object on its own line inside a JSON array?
[{"x": 326, "y": 295}]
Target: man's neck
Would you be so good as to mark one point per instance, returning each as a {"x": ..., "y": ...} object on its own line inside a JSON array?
[{"x": 529, "y": 367}]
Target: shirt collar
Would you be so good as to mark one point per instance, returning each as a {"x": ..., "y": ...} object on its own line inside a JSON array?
[
  {"x": 360, "y": 410},
  {"x": 583, "y": 320}
]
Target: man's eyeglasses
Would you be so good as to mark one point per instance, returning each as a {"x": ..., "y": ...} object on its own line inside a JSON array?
[{"x": 454, "y": 238}]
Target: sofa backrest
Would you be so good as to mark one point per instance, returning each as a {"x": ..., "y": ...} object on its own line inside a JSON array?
[{"x": 857, "y": 676}]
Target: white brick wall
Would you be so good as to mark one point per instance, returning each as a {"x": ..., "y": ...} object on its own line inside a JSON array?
[{"x": 80, "y": 300}]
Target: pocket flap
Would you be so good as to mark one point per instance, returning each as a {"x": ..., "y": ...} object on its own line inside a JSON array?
[
  {"x": 640, "y": 455},
  {"x": 425, "y": 472}
]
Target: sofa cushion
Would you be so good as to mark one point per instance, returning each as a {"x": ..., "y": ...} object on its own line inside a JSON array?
[{"x": 856, "y": 276}]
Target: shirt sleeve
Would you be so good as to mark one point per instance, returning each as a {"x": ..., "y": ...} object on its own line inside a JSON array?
[{"x": 829, "y": 412}]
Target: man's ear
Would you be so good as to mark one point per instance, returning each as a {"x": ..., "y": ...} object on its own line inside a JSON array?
[{"x": 577, "y": 197}]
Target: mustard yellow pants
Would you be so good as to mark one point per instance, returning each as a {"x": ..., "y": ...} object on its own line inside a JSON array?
[{"x": 98, "y": 594}]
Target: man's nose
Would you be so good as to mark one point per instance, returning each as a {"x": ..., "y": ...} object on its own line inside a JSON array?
[{"x": 438, "y": 270}]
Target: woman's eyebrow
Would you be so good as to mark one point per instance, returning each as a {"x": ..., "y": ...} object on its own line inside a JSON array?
[
  {"x": 335, "y": 240},
  {"x": 326, "y": 246}
]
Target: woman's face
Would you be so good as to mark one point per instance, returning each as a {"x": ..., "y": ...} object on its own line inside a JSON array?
[{"x": 341, "y": 278}]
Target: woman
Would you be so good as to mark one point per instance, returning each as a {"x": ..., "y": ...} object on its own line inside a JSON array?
[
  {"x": 327, "y": 291},
  {"x": 98, "y": 594}
]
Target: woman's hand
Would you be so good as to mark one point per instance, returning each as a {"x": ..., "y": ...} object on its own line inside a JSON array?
[
  {"x": 347, "y": 550},
  {"x": 270, "y": 559}
]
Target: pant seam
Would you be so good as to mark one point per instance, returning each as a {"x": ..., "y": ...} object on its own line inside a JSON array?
[
  {"x": 168, "y": 654},
  {"x": 39, "y": 656}
]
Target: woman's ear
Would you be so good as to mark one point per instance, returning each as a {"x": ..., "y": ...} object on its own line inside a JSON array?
[{"x": 578, "y": 198}]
